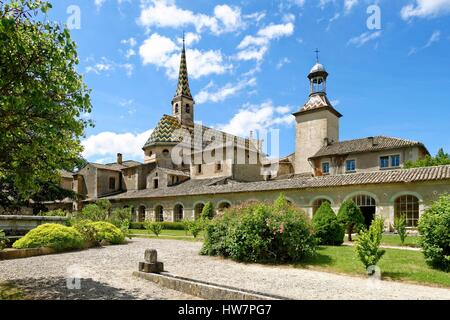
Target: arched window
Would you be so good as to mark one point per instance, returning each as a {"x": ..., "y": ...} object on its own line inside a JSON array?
[
  {"x": 166, "y": 152},
  {"x": 159, "y": 213},
  {"x": 141, "y": 216},
  {"x": 178, "y": 213},
  {"x": 176, "y": 108},
  {"x": 223, "y": 206},
  {"x": 409, "y": 206},
  {"x": 198, "y": 210},
  {"x": 368, "y": 207},
  {"x": 188, "y": 108},
  {"x": 317, "y": 203}
]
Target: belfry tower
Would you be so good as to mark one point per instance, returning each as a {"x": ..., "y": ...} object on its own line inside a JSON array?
[
  {"x": 183, "y": 103},
  {"x": 317, "y": 121}
]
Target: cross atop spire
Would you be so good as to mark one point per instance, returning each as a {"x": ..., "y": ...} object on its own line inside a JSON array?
[
  {"x": 183, "y": 81},
  {"x": 317, "y": 54}
]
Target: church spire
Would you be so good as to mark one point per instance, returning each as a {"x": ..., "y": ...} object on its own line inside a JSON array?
[
  {"x": 183, "y": 103},
  {"x": 183, "y": 81}
]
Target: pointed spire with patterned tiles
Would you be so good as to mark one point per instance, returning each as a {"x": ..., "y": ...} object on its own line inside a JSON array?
[{"x": 183, "y": 81}]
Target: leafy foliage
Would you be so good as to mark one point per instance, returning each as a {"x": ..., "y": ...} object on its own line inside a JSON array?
[
  {"x": 260, "y": 232},
  {"x": 351, "y": 217},
  {"x": 120, "y": 216},
  {"x": 208, "y": 211},
  {"x": 42, "y": 98},
  {"x": 155, "y": 227},
  {"x": 327, "y": 227},
  {"x": 54, "y": 213},
  {"x": 195, "y": 226},
  {"x": 434, "y": 226},
  {"x": 85, "y": 228},
  {"x": 167, "y": 225},
  {"x": 400, "y": 227},
  {"x": 440, "y": 159},
  {"x": 105, "y": 231},
  {"x": 3, "y": 240},
  {"x": 368, "y": 244},
  {"x": 55, "y": 236}
]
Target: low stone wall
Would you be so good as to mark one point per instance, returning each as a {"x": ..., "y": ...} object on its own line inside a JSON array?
[
  {"x": 8, "y": 254},
  {"x": 19, "y": 225}
]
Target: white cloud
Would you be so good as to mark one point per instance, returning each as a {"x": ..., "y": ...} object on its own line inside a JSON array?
[
  {"x": 224, "y": 92},
  {"x": 283, "y": 62},
  {"x": 349, "y": 4},
  {"x": 106, "y": 66},
  {"x": 434, "y": 38},
  {"x": 364, "y": 38},
  {"x": 99, "y": 3},
  {"x": 165, "y": 14},
  {"x": 255, "y": 47},
  {"x": 258, "y": 118},
  {"x": 131, "y": 42},
  {"x": 108, "y": 144},
  {"x": 163, "y": 52},
  {"x": 425, "y": 9}
]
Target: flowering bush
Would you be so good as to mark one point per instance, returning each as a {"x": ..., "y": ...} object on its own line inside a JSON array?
[{"x": 261, "y": 232}]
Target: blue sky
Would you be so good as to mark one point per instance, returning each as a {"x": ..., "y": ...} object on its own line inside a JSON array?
[{"x": 248, "y": 62}]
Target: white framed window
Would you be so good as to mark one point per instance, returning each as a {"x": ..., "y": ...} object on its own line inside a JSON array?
[
  {"x": 350, "y": 165},
  {"x": 325, "y": 167},
  {"x": 390, "y": 161}
]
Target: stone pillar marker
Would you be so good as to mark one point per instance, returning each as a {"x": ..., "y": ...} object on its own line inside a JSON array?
[{"x": 151, "y": 264}]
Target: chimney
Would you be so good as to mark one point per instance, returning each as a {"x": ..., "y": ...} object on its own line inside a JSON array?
[
  {"x": 119, "y": 158},
  {"x": 372, "y": 141}
]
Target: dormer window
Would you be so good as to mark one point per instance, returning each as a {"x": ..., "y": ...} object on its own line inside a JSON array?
[
  {"x": 155, "y": 184},
  {"x": 325, "y": 168},
  {"x": 112, "y": 183}
]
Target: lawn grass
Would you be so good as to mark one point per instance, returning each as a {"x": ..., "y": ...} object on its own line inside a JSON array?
[
  {"x": 166, "y": 234},
  {"x": 10, "y": 292},
  {"x": 396, "y": 264},
  {"x": 394, "y": 240}
]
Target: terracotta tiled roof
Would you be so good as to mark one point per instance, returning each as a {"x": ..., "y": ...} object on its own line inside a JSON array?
[
  {"x": 318, "y": 101},
  {"x": 116, "y": 166},
  {"x": 365, "y": 145},
  {"x": 215, "y": 186}
]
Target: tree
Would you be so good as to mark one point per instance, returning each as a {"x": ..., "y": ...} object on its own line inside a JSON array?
[
  {"x": 434, "y": 227},
  {"x": 208, "y": 211},
  {"x": 368, "y": 245},
  {"x": 400, "y": 227},
  {"x": 42, "y": 100},
  {"x": 351, "y": 217},
  {"x": 327, "y": 227},
  {"x": 440, "y": 159}
]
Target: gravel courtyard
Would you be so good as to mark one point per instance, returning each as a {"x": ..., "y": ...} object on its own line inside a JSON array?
[{"x": 106, "y": 274}]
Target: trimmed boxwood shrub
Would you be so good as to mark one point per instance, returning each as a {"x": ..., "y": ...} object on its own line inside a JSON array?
[
  {"x": 261, "y": 232},
  {"x": 105, "y": 231},
  {"x": 434, "y": 227},
  {"x": 55, "y": 236},
  {"x": 351, "y": 217},
  {"x": 327, "y": 227}
]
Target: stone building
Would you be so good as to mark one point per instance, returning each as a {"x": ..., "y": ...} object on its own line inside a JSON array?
[{"x": 187, "y": 164}]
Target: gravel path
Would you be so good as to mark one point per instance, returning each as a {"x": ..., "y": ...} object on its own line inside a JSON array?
[{"x": 106, "y": 274}]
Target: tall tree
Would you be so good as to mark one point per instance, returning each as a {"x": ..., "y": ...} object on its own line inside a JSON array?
[
  {"x": 42, "y": 99},
  {"x": 440, "y": 159}
]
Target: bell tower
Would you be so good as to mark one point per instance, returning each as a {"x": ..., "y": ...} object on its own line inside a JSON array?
[
  {"x": 317, "y": 121},
  {"x": 183, "y": 103}
]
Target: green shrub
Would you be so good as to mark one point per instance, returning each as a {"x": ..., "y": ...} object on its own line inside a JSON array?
[
  {"x": 92, "y": 212},
  {"x": 400, "y": 227},
  {"x": 85, "y": 228},
  {"x": 327, "y": 227},
  {"x": 137, "y": 225},
  {"x": 155, "y": 227},
  {"x": 3, "y": 240},
  {"x": 53, "y": 213},
  {"x": 434, "y": 227},
  {"x": 173, "y": 225},
  {"x": 351, "y": 217},
  {"x": 195, "y": 226},
  {"x": 55, "y": 236},
  {"x": 208, "y": 211},
  {"x": 105, "y": 231},
  {"x": 260, "y": 232},
  {"x": 119, "y": 216},
  {"x": 368, "y": 245},
  {"x": 104, "y": 204}
]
